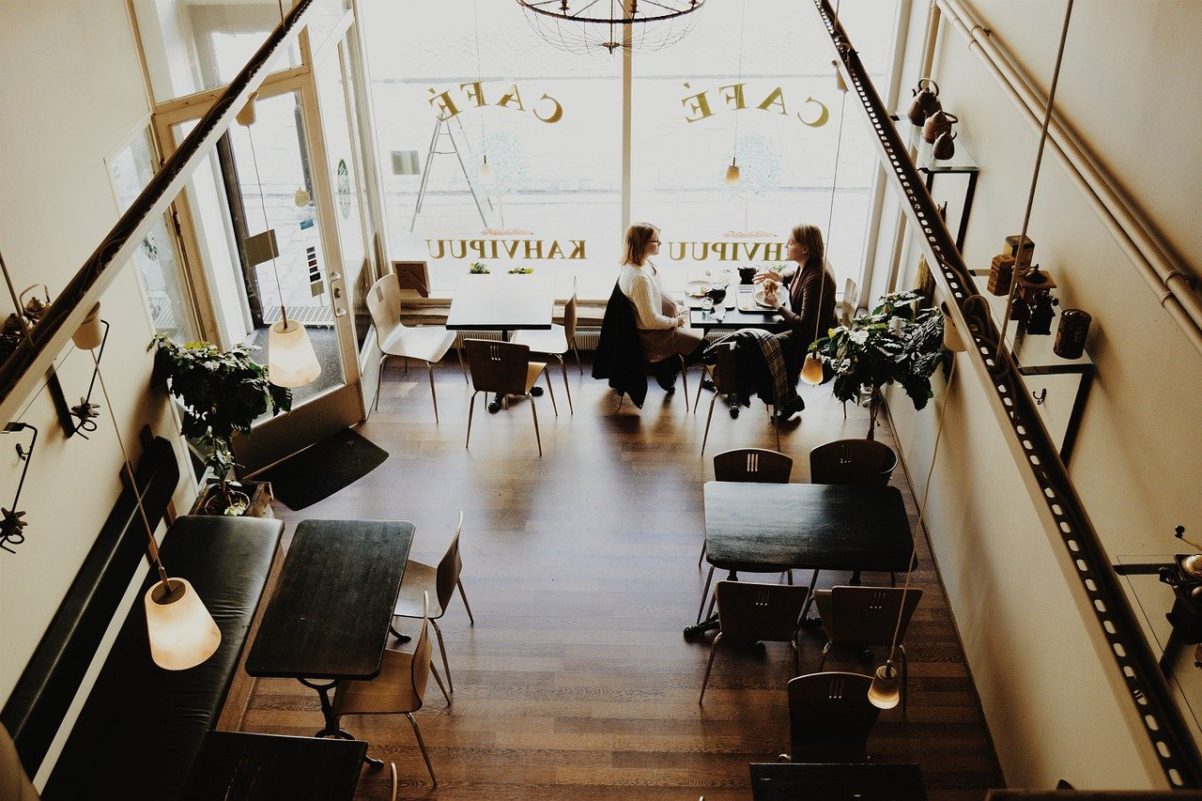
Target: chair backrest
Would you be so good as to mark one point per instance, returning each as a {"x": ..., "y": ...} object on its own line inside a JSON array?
[
  {"x": 569, "y": 316},
  {"x": 449, "y": 569},
  {"x": 847, "y": 307},
  {"x": 753, "y": 464},
  {"x": 384, "y": 303},
  {"x": 830, "y": 717},
  {"x": 422, "y": 651},
  {"x": 725, "y": 369},
  {"x": 868, "y": 615},
  {"x": 497, "y": 366},
  {"x": 852, "y": 461},
  {"x": 750, "y": 611}
]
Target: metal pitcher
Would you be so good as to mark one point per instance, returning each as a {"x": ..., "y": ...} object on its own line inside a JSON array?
[
  {"x": 944, "y": 147},
  {"x": 936, "y": 124},
  {"x": 926, "y": 101}
]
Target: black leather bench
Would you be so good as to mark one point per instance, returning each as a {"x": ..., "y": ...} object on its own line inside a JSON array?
[{"x": 140, "y": 728}]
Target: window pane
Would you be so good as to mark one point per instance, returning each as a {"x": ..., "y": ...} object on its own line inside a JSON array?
[{"x": 549, "y": 122}]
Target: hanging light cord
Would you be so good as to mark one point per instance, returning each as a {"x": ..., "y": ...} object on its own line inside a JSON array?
[
  {"x": 479, "y": 74},
  {"x": 830, "y": 213},
  {"x": 742, "y": 23},
  {"x": 1043, "y": 138},
  {"x": 151, "y": 545},
  {"x": 267, "y": 225}
]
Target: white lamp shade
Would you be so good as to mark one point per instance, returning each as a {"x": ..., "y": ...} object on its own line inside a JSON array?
[
  {"x": 485, "y": 169},
  {"x": 811, "y": 371},
  {"x": 90, "y": 334},
  {"x": 951, "y": 336},
  {"x": 291, "y": 360},
  {"x": 182, "y": 632},
  {"x": 840, "y": 84},
  {"x": 885, "y": 690}
]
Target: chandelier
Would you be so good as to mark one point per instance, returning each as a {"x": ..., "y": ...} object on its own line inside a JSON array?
[{"x": 586, "y": 26}]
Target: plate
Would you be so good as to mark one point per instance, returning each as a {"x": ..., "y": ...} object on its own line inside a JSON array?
[
  {"x": 696, "y": 289},
  {"x": 759, "y": 299}
]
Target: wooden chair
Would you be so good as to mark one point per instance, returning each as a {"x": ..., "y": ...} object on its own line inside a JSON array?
[
  {"x": 427, "y": 581},
  {"x": 556, "y": 341},
  {"x": 830, "y": 718},
  {"x": 852, "y": 461},
  {"x": 398, "y": 689},
  {"x": 505, "y": 369},
  {"x": 848, "y": 303},
  {"x": 425, "y": 343},
  {"x": 753, "y": 465},
  {"x": 757, "y": 612},
  {"x": 861, "y": 617},
  {"x": 725, "y": 376}
]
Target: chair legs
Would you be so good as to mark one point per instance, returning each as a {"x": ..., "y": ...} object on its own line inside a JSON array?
[
  {"x": 463, "y": 595},
  {"x": 708, "y": 665},
  {"x": 443, "y": 650},
  {"x": 701, "y": 558},
  {"x": 684, "y": 380},
  {"x": 705, "y": 593},
  {"x": 379, "y": 379},
  {"x": 433, "y": 392},
  {"x": 422, "y": 745},
  {"x": 550, "y": 391},
  {"x": 579, "y": 364},
  {"x": 708, "y": 419},
  {"x": 471, "y": 409},
  {"x": 534, "y": 412},
  {"x": 462, "y": 366},
  {"x": 441, "y": 686},
  {"x": 566, "y": 388}
]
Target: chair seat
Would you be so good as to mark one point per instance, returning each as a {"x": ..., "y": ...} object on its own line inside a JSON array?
[
  {"x": 419, "y": 578},
  {"x": 533, "y": 371},
  {"x": 429, "y": 344},
  {"x": 554, "y": 340},
  {"x": 388, "y": 693}
]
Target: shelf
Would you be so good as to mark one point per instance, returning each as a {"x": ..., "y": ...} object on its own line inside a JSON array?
[{"x": 960, "y": 163}]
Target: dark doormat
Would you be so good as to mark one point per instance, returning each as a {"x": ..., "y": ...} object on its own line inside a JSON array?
[{"x": 322, "y": 469}]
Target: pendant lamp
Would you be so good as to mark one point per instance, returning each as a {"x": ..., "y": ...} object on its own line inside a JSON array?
[
  {"x": 291, "y": 360},
  {"x": 181, "y": 631},
  {"x": 732, "y": 172},
  {"x": 811, "y": 371},
  {"x": 485, "y": 169},
  {"x": 840, "y": 84},
  {"x": 885, "y": 690}
]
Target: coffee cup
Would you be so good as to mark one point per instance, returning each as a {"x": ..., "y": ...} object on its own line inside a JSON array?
[{"x": 746, "y": 274}]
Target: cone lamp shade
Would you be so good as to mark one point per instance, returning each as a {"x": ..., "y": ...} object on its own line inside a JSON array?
[
  {"x": 485, "y": 169},
  {"x": 732, "y": 172},
  {"x": 181, "y": 630},
  {"x": 89, "y": 335},
  {"x": 291, "y": 361},
  {"x": 811, "y": 371},
  {"x": 885, "y": 690},
  {"x": 840, "y": 84}
]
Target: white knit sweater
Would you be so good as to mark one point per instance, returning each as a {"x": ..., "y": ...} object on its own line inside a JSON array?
[{"x": 641, "y": 285}]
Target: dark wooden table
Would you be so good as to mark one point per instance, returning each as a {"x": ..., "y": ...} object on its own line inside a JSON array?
[
  {"x": 502, "y": 303},
  {"x": 330, "y": 616},
  {"x": 237, "y": 766},
  {"x": 764, "y": 528},
  {"x": 734, "y": 319},
  {"x": 870, "y": 781}
]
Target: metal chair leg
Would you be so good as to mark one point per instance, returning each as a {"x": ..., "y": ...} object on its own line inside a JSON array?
[
  {"x": 705, "y": 592},
  {"x": 708, "y": 665},
  {"x": 438, "y": 678},
  {"x": 462, "y": 366},
  {"x": 708, "y": 419},
  {"x": 463, "y": 595},
  {"x": 701, "y": 558},
  {"x": 568, "y": 389},
  {"x": 826, "y": 649},
  {"x": 534, "y": 412},
  {"x": 443, "y": 649},
  {"x": 433, "y": 392},
  {"x": 684, "y": 379},
  {"x": 471, "y": 409},
  {"x": 379, "y": 379},
  {"x": 579, "y": 364},
  {"x": 550, "y": 391},
  {"x": 776, "y": 427},
  {"x": 422, "y": 745}
]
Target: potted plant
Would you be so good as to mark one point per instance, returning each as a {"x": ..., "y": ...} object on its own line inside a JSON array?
[
  {"x": 521, "y": 270},
  {"x": 896, "y": 341},
  {"x": 478, "y": 268},
  {"x": 223, "y": 393}
]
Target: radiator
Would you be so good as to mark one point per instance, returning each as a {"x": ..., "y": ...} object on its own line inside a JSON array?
[{"x": 586, "y": 338}]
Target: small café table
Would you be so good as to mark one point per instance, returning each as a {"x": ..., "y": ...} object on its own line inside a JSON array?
[
  {"x": 239, "y": 766},
  {"x": 726, "y": 318},
  {"x": 868, "y": 781},
  {"x": 502, "y": 303},
  {"x": 331, "y": 613},
  {"x": 765, "y": 528}
]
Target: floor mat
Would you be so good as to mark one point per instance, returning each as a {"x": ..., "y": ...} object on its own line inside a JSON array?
[{"x": 324, "y": 468}]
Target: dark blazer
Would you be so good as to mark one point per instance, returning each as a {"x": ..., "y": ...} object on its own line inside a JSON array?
[{"x": 619, "y": 356}]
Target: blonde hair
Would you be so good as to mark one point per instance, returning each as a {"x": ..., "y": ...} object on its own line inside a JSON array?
[
  {"x": 638, "y": 237},
  {"x": 810, "y": 238}
]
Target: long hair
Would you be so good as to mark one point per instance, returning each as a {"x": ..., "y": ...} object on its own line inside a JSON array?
[
  {"x": 810, "y": 237},
  {"x": 638, "y": 236}
]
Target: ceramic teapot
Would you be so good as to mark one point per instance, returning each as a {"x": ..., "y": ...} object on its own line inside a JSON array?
[
  {"x": 937, "y": 123},
  {"x": 926, "y": 101},
  {"x": 944, "y": 147}
]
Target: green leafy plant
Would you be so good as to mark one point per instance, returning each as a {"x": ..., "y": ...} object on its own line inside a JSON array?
[
  {"x": 521, "y": 271},
  {"x": 222, "y": 392},
  {"x": 896, "y": 342},
  {"x": 479, "y": 268}
]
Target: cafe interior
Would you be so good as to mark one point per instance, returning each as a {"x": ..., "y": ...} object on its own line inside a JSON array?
[{"x": 282, "y": 277}]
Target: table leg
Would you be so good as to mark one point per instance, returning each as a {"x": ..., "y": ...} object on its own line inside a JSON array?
[
  {"x": 810, "y": 622},
  {"x": 498, "y": 402},
  {"x": 332, "y": 728}
]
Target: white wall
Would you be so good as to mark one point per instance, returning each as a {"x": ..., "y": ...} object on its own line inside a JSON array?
[
  {"x": 1128, "y": 84},
  {"x": 71, "y": 94}
]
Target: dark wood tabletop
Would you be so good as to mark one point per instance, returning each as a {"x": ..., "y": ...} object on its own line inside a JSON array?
[
  {"x": 766, "y": 527},
  {"x": 870, "y": 781},
  {"x": 237, "y": 766},
  {"x": 733, "y": 319},
  {"x": 502, "y": 302},
  {"x": 333, "y": 604}
]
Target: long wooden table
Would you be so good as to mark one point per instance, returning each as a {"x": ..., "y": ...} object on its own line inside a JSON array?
[
  {"x": 237, "y": 766},
  {"x": 331, "y": 614}
]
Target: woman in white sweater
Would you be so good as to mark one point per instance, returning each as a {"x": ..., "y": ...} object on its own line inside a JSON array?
[{"x": 662, "y": 327}]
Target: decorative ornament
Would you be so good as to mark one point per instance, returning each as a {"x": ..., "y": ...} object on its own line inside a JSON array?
[{"x": 590, "y": 26}]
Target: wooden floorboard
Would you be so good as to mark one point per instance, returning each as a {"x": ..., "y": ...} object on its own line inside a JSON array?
[{"x": 581, "y": 569}]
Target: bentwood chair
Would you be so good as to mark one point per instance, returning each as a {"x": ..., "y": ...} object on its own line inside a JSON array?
[
  {"x": 438, "y": 583},
  {"x": 830, "y": 718},
  {"x": 505, "y": 369},
  {"x": 556, "y": 341},
  {"x": 751, "y": 612},
  {"x": 724, "y": 373},
  {"x": 399, "y": 689},
  {"x": 425, "y": 343},
  {"x": 750, "y": 465},
  {"x": 861, "y": 617}
]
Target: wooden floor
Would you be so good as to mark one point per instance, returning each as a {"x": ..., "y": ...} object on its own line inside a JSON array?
[{"x": 581, "y": 568}]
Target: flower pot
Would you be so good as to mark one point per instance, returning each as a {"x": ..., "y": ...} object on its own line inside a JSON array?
[{"x": 256, "y": 495}]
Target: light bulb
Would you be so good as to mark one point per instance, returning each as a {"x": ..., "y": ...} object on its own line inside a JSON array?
[
  {"x": 732, "y": 172},
  {"x": 485, "y": 169},
  {"x": 885, "y": 690},
  {"x": 291, "y": 360},
  {"x": 181, "y": 631},
  {"x": 811, "y": 371}
]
